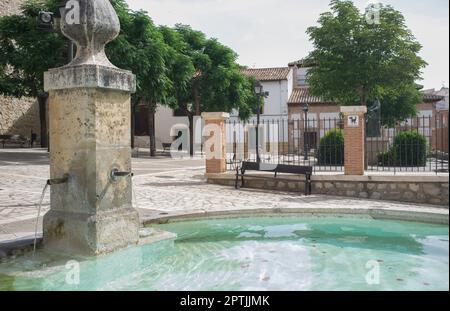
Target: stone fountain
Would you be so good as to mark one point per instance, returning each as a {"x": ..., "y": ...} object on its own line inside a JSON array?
[{"x": 89, "y": 113}]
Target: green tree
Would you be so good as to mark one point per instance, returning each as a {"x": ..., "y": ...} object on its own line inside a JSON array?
[
  {"x": 358, "y": 60},
  {"x": 26, "y": 53},
  {"x": 140, "y": 48},
  {"x": 210, "y": 77}
]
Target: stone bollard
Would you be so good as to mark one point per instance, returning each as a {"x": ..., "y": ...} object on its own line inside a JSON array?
[
  {"x": 215, "y": 146},
  {"x": 89, "y": 112},
  {"x": 354, "y": 133}
]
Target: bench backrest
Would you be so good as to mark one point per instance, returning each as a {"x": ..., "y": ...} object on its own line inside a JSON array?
[
  {"x": 293, "y": 169},
  {"x": 280, "y": 168}
]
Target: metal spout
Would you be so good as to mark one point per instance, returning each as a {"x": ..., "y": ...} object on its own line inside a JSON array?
[
  {"x": 116, "y": 174},
  {"x": 58, "y": 181}
]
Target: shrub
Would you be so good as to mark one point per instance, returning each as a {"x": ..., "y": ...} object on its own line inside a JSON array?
[
  {"x": 331, "y": 148},
  {"x": 409, "y": 149},
  {"x": 386, "y": 158}
]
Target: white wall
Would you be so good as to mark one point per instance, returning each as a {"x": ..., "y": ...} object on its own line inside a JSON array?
[
  {"x": 276, "y": 103},
  {"x": 290, "y": 81},
  {"x": 164, "y": 120}
]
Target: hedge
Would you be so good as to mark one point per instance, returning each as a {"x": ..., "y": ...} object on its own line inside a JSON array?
[
  {"x": 331, "y": 148},
  {"x": 409, "y": 149}
]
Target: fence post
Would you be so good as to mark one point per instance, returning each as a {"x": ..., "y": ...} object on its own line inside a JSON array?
[
  {"x": 216, "y": 159},
  {"x": 354, "y": 133}
]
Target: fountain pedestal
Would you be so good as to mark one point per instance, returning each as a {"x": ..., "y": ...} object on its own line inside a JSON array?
[{"x": 89, "y": 113}]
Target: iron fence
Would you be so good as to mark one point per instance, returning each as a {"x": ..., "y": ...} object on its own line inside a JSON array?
[
  {"x": 418, "y": 144},
  {"x": 316, "y": 142}
]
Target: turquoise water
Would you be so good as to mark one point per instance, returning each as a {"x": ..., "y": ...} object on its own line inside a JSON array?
[{"x": 259, "y": 253}]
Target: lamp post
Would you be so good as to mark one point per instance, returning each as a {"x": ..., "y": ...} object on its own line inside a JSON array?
[
  {"x": 305, "y": 141},
  {"x": 48, "y": 22},
  {"x": 62, "y": 13},
  {"x": 259, "y": 91}
]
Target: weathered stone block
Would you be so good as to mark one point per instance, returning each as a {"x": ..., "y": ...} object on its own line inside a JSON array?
[
  {"x": 363, "y": 195},
  {"x": 371, "y": 186},
  {"x": 382, "y": 186},
  {"x": 414, "y": 187},
  {"x": 329, "y": 185},
  {"x": 409, "y": 196},
  {"x": 431, "y": 189},
  {"x": 402, "y": 186},
  {"x": 376, "y": 196}
]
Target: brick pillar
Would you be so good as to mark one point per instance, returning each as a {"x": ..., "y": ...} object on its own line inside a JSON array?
[
  {"x": 354, "y": 132},
  {"x": 216, "y": 163}
]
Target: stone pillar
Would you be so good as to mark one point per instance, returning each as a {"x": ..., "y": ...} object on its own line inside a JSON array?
[
  {"x": 354, "y": 132},
  {"x": 89, "y": 113},
  {"x": 216, "y": 161}
]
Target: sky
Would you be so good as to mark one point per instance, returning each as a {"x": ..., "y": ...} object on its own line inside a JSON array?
[{"x": 272, "y": 33}]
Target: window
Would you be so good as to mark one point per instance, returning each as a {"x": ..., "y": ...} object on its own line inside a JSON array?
[
  {"x": 311, "y": 139},
  {"x": 179, "y": 113}
]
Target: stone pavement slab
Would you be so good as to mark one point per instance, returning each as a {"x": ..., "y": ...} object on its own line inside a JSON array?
[{"x": 163, "y": 186}]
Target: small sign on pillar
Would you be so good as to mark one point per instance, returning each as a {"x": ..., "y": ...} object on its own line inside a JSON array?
[{"x": 353, "y": 121}]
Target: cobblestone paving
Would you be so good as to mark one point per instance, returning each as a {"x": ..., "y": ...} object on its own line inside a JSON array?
[{"x": 162, "y": 186}]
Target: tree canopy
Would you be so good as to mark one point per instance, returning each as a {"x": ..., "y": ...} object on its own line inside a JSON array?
[
  {"x": 359, "y": 60},
  {"x": 26, "y": 53},
  {"x": 175, "y": 66}
]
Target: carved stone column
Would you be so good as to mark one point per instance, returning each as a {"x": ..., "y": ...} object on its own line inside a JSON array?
[{"x": 89, "y": 112}]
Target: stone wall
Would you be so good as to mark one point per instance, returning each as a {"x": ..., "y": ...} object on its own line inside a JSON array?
[
  {"x": 432, "y": 190},
  {"x": 17, "y": 116},
  {"x": 8, "y": 7}
]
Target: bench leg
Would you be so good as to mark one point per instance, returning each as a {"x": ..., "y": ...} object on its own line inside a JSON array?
[
  {"x": 306, "y": 186},
  {"x": 309, "y": 185}
]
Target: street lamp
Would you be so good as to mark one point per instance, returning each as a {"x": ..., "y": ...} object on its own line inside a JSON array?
[
  {"x": 305, "y": 141},
  {"x": 259, "y": 91},
  {"x": 50, "y": 22},
  {"x": 62, "y": 13}
]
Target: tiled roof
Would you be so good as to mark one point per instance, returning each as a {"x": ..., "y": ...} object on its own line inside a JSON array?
[
  {"x": 267, "y": 74},
  {"x": 427, "y": 97},
  {"x": 303, "y": 96}
]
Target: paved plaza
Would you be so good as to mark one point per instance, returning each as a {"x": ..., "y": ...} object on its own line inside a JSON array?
[{"x": 163, "y": 186}]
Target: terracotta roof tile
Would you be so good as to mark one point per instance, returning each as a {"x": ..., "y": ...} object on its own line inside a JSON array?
[
  {"x": 303, "y": 96},
  {"x": 267, "y": 74},
  {"x": 427, "y": 97}
]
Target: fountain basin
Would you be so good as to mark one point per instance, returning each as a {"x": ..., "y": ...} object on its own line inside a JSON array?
[{"x": 269, "y": 252}]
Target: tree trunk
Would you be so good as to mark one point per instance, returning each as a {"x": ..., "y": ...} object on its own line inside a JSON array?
[
  {"x": 151, "y": 127},
  {"x": 364, "y": 96},
  {"x": 191, "y": 133},
  {"x": 42, "y": 101},
  {"x": 133, "y": 123},
  {"x": 197, "y": 101}
]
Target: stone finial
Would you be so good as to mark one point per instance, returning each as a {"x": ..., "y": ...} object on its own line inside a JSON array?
[{"x": 95, "y": 25}]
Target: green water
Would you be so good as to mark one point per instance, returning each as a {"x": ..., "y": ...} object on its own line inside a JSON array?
[{"x": 260, "y": 253}]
